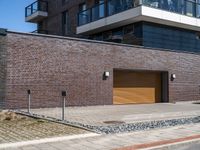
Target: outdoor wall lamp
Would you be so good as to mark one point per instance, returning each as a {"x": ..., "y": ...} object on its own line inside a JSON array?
[
  {"x": 106, "y": 75},
  {"x": 173, "y": 77}
]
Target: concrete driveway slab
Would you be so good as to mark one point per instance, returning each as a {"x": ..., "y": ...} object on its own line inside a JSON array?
[{"x": 104, "y": 115}]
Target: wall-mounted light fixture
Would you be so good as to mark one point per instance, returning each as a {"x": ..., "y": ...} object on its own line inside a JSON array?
[
  {"x": 106, "y": 75},
  {"x": 173, "y": 77}
]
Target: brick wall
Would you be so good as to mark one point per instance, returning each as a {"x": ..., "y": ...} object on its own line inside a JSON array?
[
  {"x": 48, "y": 65},
  {"x": 2, "y": 70}
]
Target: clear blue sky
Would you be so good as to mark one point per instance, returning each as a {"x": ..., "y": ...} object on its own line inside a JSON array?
[{"x": 12, "y": 15}]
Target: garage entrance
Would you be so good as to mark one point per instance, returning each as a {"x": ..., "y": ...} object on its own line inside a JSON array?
[{"x": 139, "y": 87}]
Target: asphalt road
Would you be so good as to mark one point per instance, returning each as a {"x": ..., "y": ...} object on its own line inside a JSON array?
[{"x": 194, "y": 146}]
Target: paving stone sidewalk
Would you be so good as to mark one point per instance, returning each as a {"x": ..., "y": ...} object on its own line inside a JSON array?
[
  {"x": 16, "y": 128},
  {"x": 98, "y": 115},
  {"x": 125, "y": 118},
  {"x": 106, "y": 142}
]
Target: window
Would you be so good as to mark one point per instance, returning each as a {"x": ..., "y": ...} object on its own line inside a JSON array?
[
  {"x": 181, "y": 6},
  {"x": 114, "y": 6},
  {"x": 117, "y": 35},
  {"x": 130, "y": 37},
  {"x": 190, "y": 8},
  {"x": 99, "y": 10},
  {"x": 98, "y": 37},
  {"x": 198, "y": 9},
  {"x": 198, "y": 36},
  {"x": 65, "y": 23},
  {"x": 107, "y": 36},
  {"x": 84, "y": 15},
  {"x": 128, "y": 29}
]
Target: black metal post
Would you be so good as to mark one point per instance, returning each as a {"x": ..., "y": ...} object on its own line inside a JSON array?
[
  {"x": 29, "y": 100},
  {"x": 64, "y": 94}
]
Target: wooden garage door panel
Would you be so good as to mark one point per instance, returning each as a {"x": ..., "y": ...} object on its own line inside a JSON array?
[
  {"x": 136, "y": 87},
  {"x": 139, "y": 95}
]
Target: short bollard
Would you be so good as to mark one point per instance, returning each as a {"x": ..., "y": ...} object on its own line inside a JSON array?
[
  {"x": 29, "y": 100},
  {"x": 64, "y": 94}
]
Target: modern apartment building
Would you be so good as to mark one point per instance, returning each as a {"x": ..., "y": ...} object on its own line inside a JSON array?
[
  {"x": 167, "y": 24},
  {"x": 127, "y": 51}
]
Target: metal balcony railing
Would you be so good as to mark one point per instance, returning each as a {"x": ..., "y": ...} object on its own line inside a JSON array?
[
  {"x": 111, "y": 7},
  {"x": 36, "y": 6}
]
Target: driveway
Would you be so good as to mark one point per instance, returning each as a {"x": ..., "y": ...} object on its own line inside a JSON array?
[{"x": 104, "y": 115}]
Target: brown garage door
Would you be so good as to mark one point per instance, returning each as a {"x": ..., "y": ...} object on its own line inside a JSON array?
[{"x": 136, "y": 87}]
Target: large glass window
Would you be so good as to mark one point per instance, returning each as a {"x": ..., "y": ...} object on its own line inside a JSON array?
[
  {"x": 84, "y": 15},
  {"x": 166, "y": 37},
  {"x": 129, "y": 29},
  {"x": 117, "y": 35},
  {"x": 101, "y": 8},
  {"x": 198, "y": 9},
  {"x": 181, "y": 6},
  {"x": 190, "y": 8},
  {"x": 99, "y": 37},
  {"x": 129, "y": 37},
  {"x": 114, "y": 6},
  {"x": 107, "y": 36},
  {"x": 98, "y": 11},
  {"x": 124, "y": 35}
]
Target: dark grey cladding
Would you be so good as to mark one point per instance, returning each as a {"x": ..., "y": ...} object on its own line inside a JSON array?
[{"x": 3, "y": 32}]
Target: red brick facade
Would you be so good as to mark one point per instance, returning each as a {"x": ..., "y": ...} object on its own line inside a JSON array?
[
  {"x": 47, "y": 65},
  {"x": 2, "y": 69},
  {"x": 53, "y": 23}
]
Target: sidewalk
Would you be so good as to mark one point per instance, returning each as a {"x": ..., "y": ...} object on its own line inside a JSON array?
[
  {"x": 99, "y": 115},
  {"x": 123, "y": 141}
]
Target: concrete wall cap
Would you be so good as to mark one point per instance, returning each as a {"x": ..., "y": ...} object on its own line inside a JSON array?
[{"x": 100, "y": 42}]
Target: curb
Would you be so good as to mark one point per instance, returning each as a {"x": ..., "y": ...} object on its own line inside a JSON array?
[
  {"x": 161, "y": 144},
  {"x": 46, "y": 140},
  {"x": 174, "y": 145}
]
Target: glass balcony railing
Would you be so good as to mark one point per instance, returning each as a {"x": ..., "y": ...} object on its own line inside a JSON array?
[
  {"x": 36, "y": 6},
  {"x": 184, "y": 7},
  {"x": 111, "y": 7}
]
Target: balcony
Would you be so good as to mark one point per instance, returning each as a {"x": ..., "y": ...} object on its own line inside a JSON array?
[
  {"x": 115, "y": 13},
  {"x": 36, "y": 12}
]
